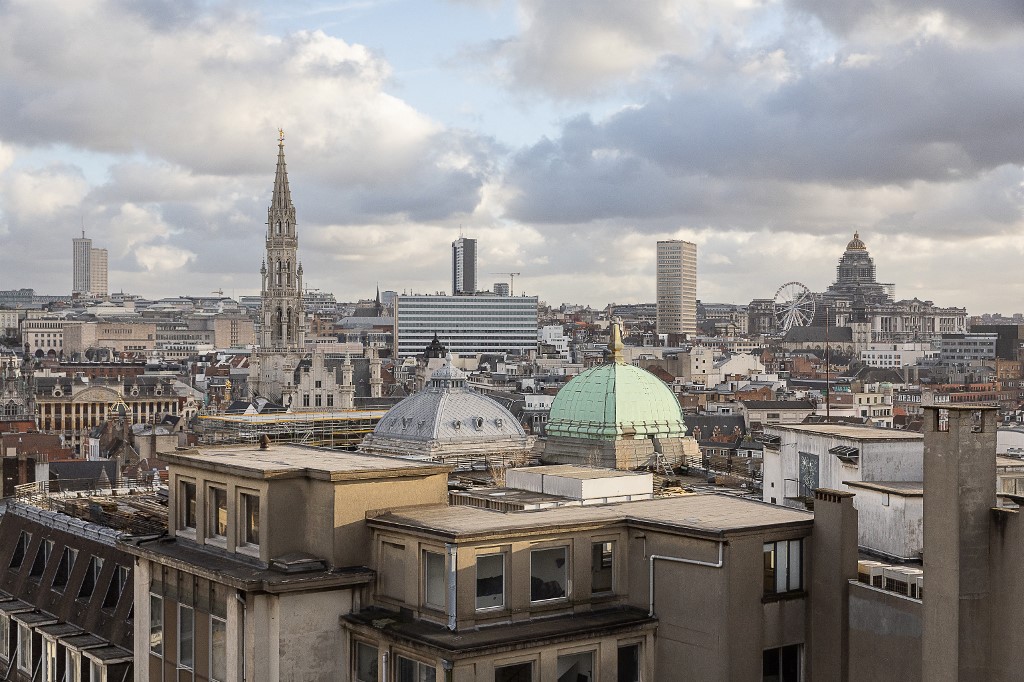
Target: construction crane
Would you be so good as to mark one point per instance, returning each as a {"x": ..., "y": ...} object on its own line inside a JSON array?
[
  {"x": 219, "y": 292},
  {"x": 511, "y": 280}
]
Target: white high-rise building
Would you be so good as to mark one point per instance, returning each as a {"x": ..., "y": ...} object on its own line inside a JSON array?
[
  {"x": 88, "y": 268},
  {"x": 81, "y": 250},
  {"x": 677, "y": 287},
  {"x": 466, "y": 324},
  {"x": 463, "y": 266}
]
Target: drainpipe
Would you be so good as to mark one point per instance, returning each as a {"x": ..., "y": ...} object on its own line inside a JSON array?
[
  {"x": 452, "y": 552},
  {"x": 680, "y": 560}
]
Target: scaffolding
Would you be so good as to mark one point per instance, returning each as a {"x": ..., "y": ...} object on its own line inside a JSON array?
[{"x": 337, "y": 429}]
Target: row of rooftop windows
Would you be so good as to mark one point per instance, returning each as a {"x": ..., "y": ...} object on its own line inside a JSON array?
[
  {"x": 65, "y": 566},
  {"x": 216, "y": 513}
]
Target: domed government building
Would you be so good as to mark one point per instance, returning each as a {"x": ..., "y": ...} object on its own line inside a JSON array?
[
  {"x": 448, "y": 422},
  {"x": 614, "y": 415}
]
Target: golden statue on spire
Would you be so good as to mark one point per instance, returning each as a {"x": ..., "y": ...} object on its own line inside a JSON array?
[
  {"x": 615, "y": 344},
  {"x": 280, "y": 136}
]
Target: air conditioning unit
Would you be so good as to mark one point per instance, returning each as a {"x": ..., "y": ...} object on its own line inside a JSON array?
[
  {"x": 912, "y": 581},
  {"x": 919, "y": 584},
  {"x": 875, "y": 574},
  {"x": 897, "y": 579},
  {"x": 864, "y": 570}
]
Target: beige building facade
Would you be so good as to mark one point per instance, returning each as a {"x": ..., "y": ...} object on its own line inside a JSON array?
[{"x": 677, "y": 287}]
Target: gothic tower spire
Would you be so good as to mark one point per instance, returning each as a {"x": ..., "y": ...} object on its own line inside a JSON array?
[{"x": 283, "y": 320}]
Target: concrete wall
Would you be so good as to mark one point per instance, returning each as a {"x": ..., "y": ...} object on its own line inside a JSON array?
[
  {"x": 885, "y": 635},
  {"x": 1006, "y": 540},
  {"x": 891, "y": 524}
]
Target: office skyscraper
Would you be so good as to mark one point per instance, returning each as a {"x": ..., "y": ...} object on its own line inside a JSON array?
[
  {"x": 81, "y": 248},
  {"x": 88, "y": 268},
  {"x": 463, "y": 266},
  {"x": 677, "y": 287}
]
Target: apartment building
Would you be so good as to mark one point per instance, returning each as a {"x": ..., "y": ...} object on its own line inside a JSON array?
[{"x": 482, "y": 323}]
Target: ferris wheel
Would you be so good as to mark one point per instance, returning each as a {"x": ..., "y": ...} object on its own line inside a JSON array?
[{"x": 794, "y": 306}]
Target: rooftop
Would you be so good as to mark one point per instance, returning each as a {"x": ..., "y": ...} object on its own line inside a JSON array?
[
  {"x": 584, "y": 473},
  {"x": 902, "y": 488},
  {"x": 705, "y": 515},
  {"x": 862, "y": 433},
  {"x": 294, "y": 461}
]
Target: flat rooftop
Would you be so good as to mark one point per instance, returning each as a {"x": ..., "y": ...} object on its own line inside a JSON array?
[
  {"x": 580, "y": 472},
  {"x": 282, "y": 460},
  {"x": 902, "y": 488},
  {"x": 863, "y": 433},
  {"x": 704, "y": 515}
]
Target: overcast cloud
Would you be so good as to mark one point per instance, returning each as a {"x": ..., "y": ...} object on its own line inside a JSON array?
[{"x": 766, "y": 131}]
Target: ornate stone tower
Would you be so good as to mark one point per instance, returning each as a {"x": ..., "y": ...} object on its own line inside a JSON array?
[{"x": 284, "y": 319}]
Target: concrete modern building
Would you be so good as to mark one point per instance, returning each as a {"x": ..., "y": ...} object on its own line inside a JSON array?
[
  {"x": 614, "y": 415},
  {"x": 677, "y": 287},
  {"x": 466, "y": 324},
  {"x": 89, "y": 268},
  {"x": 464, "y": 270}
]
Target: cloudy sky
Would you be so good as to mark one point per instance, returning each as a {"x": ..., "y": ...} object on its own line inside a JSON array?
[{"x": 568, "y": 136}]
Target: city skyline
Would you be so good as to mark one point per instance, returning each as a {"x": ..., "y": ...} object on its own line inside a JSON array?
[{"x": 567, "y": 139}]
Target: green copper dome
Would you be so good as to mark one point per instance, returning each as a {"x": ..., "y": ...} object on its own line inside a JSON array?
[{"x": 615, "y": 401}]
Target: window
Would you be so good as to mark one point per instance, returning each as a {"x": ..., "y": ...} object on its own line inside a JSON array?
[
  {"x": 73, "y": 665},
  {"x": 576, "y": 667},
  {"x": 490, "y": 581},
  {"x": 42, "y": 557},
  {"x": 218, "y": 505},
  {"x": 24, "y": 648},
  {"x": 50, "y": 660},
  {"x": 305, "y": 400},
  {"x": 520, "y": 672},
  {"x": 186, "y": 636},
  {"x": 319, "y": 400},
  {"x": 156, "y": 625},
  {"x": 249, "y": 510},
  {"x": 392, "y": 577},
  {"x": 601, "y": 554},
  {"x": 330, "y": 400},
  {"x": 547, "y": 574},
  {"x": 97, "y": 673},
  {"x": 366, "y": 663},
  {"x": 67, "y": 561},
  {"x": 781, "y": 664},
  {"x": 433, "y": 579},
  {"x": 5, "y": 636},
  {"x": 187, "y": 505},
  {"x": 116, "y": 587},
  {"x": 18, "y": 558},
  {"x": 91, "y": 578},
  {"x": 783, "y": 570},
  {"x": 319, "y": 384},
  {"x": 629, "y": 663},
  {"x": 409, "y": 670},
  {"x": 218, "y": 649}
]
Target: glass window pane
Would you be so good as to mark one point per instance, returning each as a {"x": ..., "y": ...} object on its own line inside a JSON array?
[
  {"x": 791, "y": 663},
  {"x": 434, "y": 579},
  {"x": 366, "y": 663},
  {"x": 781, "y": 567},
  {"x": 629, "y": 663},
  {"x": 548, "y": 571},
  {"x": 24, "y": 649},
  {"x": 769, "y": 568},
  {"x": 156, "y": 625},
  {"x": 576, "y": 667},
  {"x": 795, "y": 582},
  {"x": 521, "y": 672},
  {"x": 250, "y": 519},
  {"x": 95, "y": 671},
  {"x": 601, "y": 567},
  {"x": 73, "y": 665},
  {"x": 490, "y": 581},
  {"x": 218, "y": 512},
  {"x": 218, "y": 650},
  {"x": 186, "y": 637},
  {"x": 188, "y": 505}
]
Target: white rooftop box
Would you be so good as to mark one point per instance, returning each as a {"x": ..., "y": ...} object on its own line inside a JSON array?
[{"x": 587, "y": 484}]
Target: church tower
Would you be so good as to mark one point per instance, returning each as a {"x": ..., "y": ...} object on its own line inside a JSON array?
[{"x": 283, "y": 319}]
